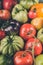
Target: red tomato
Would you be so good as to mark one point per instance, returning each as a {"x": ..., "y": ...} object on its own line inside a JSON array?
[
  {"x": 37, "y": 45},
  {"x": 27, "y": 31},
  {"x": 23, "y": 58},
  {"x": 2, "y": 34},
  {"x": 4, "y": 14},
  {"x": 7, "y": 4},
  {"x": 32, "y": 14},
  {"x": 14, "y": 2}
]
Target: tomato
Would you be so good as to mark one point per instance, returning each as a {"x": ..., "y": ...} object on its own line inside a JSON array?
[
  {"x": 23, "y": 58},
  {"x": 37, "y": 45},
  {"x": 12, "y": 44},
  {"x": 38, "y": 9},
  {"x": 2, "y": 34},
  {"x": 7, "y": 4},
  {"x": 14, "y": 2},
  {"x": 37, "y": 23},
  {"x": 27, "y": 31},
  {"x": 40, "y": 35},
  {"x": 39, "y": 60},
  {"x": 4, "y": 14},
  {"x": 32, "y": 14}
]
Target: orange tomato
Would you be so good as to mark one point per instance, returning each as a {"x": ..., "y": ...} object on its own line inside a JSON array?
[{"x": 38, "y": 9}]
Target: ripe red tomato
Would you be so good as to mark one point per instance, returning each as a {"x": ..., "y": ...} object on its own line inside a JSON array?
[
  {"x": 4, "y": 14},
  {"x": 14, "y": 2},
  {"x": 32, "y": 14},
  {"x": 2, "y": 34},
  {"x": 23, "y": 58},
  {"x": 7, "y": 4},
  {"x": 37, "y": 45},
  {"x": 27, "y": 31}
]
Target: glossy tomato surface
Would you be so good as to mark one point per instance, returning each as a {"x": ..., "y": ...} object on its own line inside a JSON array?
[
  {"x": 27, "y": 31},
  {"x": 37, "y": 45},
  {"x": 8, "y": 4},
  {"x": 2, "y": 34},
  {"x": 23, "y": 58},
  {"x": 4, "y": 14}
]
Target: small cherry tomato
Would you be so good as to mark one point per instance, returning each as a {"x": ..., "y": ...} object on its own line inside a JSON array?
[{"x": 32, "y": 14}]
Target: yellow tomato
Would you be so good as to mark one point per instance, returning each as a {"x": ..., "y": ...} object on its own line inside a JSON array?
[{"x": 37, "y": 23}]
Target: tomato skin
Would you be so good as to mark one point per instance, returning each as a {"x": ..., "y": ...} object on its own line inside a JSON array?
[
  {"x": 38, "y": 9},
  {"x": 4, "y": 14},
  {"x": 37, "y": 47},
  {"x": 32, "y": 15},
  {"x": 27, "y": 31},
  {"x": 19, "y": 59},
  {"x": 39, "y": 60},
  {"x": 14, "y": 2},
  {"x": 7, "y": 4},
  {"x": 2, "y": 34},
  {"x": 37, "y": 23}
]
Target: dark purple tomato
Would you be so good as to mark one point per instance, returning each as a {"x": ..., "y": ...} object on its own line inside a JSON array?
[
  {"x": 9, "y": 28},
  {"x": 15, "y": 25}
]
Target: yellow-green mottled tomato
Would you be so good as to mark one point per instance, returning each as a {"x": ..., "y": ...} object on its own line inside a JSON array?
[
  {"x": 39, "y": 60},
  {"x": 28, "y": 3},
  {"x": 40, "y": 35},
  {"x": 19, "y": 14}
]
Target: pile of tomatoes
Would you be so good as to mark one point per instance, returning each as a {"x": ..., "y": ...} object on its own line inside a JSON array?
[{"x": 29, "y": 28}]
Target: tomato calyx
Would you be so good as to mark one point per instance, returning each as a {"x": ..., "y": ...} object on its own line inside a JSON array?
[
  {"x": 34, "y": 10},
  {"x": 24, "y": 54},
  {"x": 1, "y": 11},
  {"x": 10, "y": 39},
  {"x": 29, "y": 32}
]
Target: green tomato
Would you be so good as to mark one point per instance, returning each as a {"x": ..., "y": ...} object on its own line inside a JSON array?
[
  {"x": 10, "y": 45},
  {"x": 39, "y": 60},
  {"x": 40, "y": 35},
  {"x": 16, "y": 9},
  {"x": 21, "y": 17},
  {"x": 19, "y": 14},
  {"x": 28, "y": 3},
  {"x": 4, "y": 60}
]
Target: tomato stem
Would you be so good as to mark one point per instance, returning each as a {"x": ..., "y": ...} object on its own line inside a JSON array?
[
  {"x": 24, "y": 54},
  {"x": 33, "y": 49},
  {"x": 29, "y": 32}
]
